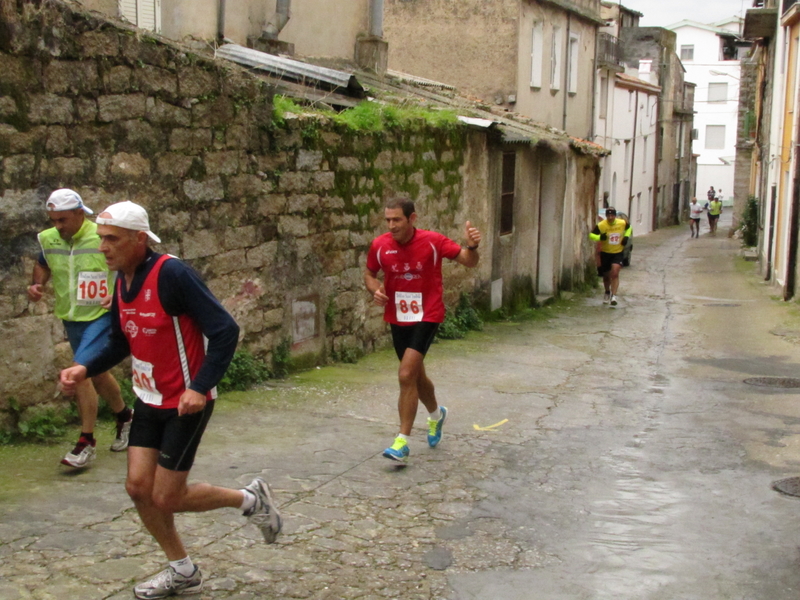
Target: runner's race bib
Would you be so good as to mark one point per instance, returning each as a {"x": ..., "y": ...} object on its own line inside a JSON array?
[
  {"x": 408, "y": 306},
  {"x": 144, "y": 385},
  {"x": 614, "y": 238},
  {"x": 92, "y": 288}
]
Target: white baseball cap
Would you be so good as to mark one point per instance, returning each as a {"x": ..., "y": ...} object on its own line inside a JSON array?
[
  {"x": 128, "y": 216},
  {"x": 66, "y": 199}
]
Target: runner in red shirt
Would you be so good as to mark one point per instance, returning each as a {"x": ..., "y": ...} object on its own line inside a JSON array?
[{"x": 411, "y": 292}]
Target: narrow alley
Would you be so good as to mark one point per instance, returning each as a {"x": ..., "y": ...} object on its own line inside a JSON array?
[{"x": 599, "y": 453}]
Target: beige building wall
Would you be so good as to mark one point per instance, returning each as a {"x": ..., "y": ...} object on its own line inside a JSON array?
[
  {"x": 471, "y": 44},
  {"x": 567, "y": 102},
  {"x": 321, "y": 28},
  {"x": 326, "y": 28},
  {"x": 195, "y": 18},
  {"x": 107, "y": 7}
]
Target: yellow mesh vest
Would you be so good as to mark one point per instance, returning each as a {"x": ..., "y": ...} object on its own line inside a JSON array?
[{"x": 77, "y": 269}]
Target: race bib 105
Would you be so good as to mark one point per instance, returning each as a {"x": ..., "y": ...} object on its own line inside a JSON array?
[{"x": 92, "y": 287}]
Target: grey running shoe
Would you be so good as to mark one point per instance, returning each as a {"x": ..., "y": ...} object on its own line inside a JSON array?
[
  {"x": 606, "y": 297},
  {"x": 123, "y": 434},
  {"x": 264, "y": 514},
  {"x": 613, "y": 300},
  {"x": 168, "y": 583},
  {"x": 81, "y": 456}
]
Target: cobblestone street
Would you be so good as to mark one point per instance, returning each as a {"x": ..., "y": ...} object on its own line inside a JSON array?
[{"x": 595, "y": 453}]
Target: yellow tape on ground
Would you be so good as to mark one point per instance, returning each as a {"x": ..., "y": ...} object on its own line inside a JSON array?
[{"x": 489, "y": 427}]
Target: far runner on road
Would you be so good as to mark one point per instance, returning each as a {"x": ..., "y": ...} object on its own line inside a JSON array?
[
  {"x": 411, "y": 292},
  {"x": 714, "y": 211},
  {"x": 695, "y": 212},
  {"x": 181, "y": 340},
  {"x": 613, "y": 235}
]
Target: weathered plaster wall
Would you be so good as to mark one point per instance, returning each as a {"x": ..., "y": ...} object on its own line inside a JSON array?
[
  {"x": 471, "y": 44},
  {"x": 557, "y": 106},
  {"x": 319, "y": 29},
  {"x": 277, "y": 219}
]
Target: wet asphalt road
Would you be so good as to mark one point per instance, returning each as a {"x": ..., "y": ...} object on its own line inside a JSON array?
[{"x": 599, "y": 453}]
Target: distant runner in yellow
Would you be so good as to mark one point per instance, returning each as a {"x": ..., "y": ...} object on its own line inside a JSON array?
[
  {"x": 613, "y": 235},
  {"x": 714, "y": 211}
]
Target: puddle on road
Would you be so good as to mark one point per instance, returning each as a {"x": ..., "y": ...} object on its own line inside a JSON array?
[
  {"x": 774, "y": 382},
  {"x": 631, "y": 546}
]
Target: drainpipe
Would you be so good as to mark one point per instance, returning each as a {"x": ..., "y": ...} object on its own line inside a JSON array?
[
  {"x": 794, "y": 211},
  {"x": 376, "y": 18},
  {"x": 772, "y": 202},
  {"x": 794, "y": 226},
  {"x": 278, "y": 20},
  {"x": 633, "y": 149},
  {"x": 221, "y": 20},
  {"x": 565, "y": 85}
]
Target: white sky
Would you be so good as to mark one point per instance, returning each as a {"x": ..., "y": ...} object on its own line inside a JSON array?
[{"x": 660, "y": 13}]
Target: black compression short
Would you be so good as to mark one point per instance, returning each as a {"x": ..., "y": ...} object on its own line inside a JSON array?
[
  {"x": 176, "y": 438},
  {"x": 607, "y": 259},
  {"x": 418, "y": 336}
]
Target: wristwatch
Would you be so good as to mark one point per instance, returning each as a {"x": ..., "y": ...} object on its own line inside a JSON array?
[{"x": 473, "y": 248}]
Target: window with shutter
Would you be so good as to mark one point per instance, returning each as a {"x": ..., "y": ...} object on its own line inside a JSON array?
[
  {"x": 718, "y": 92},
  {"x": 142, "y": 13},
  {"x": 537, "y": 54},
  {"x": 573, "y": 51},
  {"x": 715, "y": 137},
  {"x": 555, "y": 60}
]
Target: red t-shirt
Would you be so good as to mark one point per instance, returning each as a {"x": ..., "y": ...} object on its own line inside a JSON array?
[{"x": 412, "y": 275}]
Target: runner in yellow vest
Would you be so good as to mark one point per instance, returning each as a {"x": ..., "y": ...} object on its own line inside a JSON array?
[
  {"x": 71, "y": 258},
  {"x": 613, "y": 235},
  {"x": 714, "y": 211}
]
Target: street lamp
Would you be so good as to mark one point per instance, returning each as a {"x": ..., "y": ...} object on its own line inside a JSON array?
[{"x": 720, "y": 73}]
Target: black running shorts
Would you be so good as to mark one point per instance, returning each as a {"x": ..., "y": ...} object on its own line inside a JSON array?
[
  {"x": 176, "y": 438},
  {"x": 607, "y": 259},
  {"x": 418, "y": 336}
]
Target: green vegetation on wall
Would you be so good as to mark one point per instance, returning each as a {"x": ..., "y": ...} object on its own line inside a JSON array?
[
  {"x": 244, "y": 372},
  {"x": 370, "y": 116},
  {"x": 749, "y": 223},
  {"x": 460, "y": 319}
]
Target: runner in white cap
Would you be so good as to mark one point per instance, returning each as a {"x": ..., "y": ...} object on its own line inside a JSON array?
[
  {"x": 70, "y": 258},
  {"x": 162, "y": 316}
]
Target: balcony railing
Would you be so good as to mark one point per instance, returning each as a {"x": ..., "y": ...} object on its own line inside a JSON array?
[{"x": 609, "y": 50}]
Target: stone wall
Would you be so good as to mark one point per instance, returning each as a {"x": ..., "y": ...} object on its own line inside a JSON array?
[
  {"x": 746, "y": 129},
  {"x": 276, "y": 217}
]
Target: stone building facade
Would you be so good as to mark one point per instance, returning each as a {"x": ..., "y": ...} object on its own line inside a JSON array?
[{"x": 275, "y": 213}]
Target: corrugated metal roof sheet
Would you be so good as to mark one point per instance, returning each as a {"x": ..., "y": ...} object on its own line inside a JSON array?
[
  {"x": 419, "y": 80},
  {"x": 288, "y": 68}
]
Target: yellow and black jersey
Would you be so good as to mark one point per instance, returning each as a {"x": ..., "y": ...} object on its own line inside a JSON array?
[{"x": 613, "y": 236}]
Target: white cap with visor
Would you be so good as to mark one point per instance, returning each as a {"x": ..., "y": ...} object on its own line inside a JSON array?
[
  {"x": 128, "y": 216},
  {"x": 66, "y": 199}
]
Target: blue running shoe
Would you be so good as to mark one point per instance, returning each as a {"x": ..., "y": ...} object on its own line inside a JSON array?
[
  {"x": 435, "y": 428},
  {"x": 397, "y": 451}
]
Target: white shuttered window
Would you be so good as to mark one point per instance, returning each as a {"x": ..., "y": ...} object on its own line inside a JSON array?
[
  {"x": 537, "y": 54},
  {"x": 555, "y": 60},
  {"x": 573, "y": 50},
  {"x": 142, "y": 13}
]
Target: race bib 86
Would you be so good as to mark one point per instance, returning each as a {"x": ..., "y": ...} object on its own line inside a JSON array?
[{"x": 408, "y": 306}]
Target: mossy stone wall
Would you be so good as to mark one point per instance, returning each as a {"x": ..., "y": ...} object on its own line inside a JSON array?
[{"x": 277, "y": 219}]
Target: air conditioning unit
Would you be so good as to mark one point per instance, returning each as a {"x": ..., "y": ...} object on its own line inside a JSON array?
[{"x": 695, "y": 134}]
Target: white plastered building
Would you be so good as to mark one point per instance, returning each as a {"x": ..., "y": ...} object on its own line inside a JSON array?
[{"x": 710, "y": 54}]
